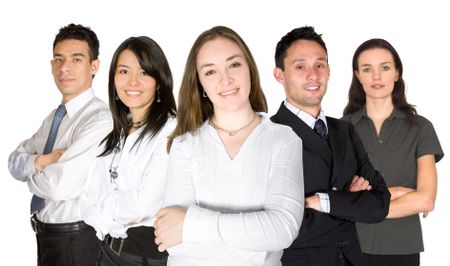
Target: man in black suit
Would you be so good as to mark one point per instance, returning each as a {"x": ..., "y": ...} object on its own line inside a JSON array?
[{"x": 341, "y": 185}]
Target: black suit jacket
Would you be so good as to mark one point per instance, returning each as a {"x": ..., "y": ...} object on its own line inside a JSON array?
[{"x": 329, "y": 167}]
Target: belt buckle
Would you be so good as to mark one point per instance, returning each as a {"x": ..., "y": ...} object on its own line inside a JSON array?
[
  {"x": 120, "y": 246},
  {"x": 34, "y": 223}
]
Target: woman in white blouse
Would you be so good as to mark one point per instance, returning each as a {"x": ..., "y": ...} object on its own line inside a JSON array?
[
  {"x": 133, "y": 166},
  {"x": 235, "y": 179}
]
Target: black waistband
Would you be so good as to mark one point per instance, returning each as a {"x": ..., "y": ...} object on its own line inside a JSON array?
[
  {"x": 57, "y": 228},
  {"x": 140, "y": 242}
]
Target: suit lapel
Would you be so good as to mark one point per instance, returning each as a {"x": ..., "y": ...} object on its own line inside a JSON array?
[
  {"x": 311, "y": 141},
  {"x": 336, "y": 139}
]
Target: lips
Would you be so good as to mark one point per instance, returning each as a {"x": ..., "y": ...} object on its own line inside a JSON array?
[
  {"x": 377, "y": 86},
  {"x": 229, "y": 92},
  {"x": 133, "y": 94}
]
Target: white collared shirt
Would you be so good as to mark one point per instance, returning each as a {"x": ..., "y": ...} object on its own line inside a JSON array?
[
  {"x": 305, "y": 117},
  {"x": 135, "y": 196},
  {"x": 241, "y": 211},
  {"x": 87, "y": 122}
]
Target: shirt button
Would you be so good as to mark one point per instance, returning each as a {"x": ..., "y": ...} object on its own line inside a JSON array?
[{"x": 380, "y": 141}]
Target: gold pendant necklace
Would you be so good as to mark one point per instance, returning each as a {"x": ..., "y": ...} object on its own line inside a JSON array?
[{"x": 231, "y": 132}]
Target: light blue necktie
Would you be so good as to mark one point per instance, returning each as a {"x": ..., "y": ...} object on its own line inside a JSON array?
[{"x": 37, "y": 203}]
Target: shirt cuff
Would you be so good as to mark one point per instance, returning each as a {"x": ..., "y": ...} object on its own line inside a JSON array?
[
  {"x": 200, "y": 225},
  {"x": 324, "y": 202}
]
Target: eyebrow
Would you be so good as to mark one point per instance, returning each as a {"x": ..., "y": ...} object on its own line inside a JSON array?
[
  {"x": 303, "y": 60},
  {"x": 72, "y": 55},
  {"x": 382, "y": 63},
  {"x": 228, "y": 59}
]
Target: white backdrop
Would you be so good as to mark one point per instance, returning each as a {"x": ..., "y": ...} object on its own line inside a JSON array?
[{"x": 419, "y": 32}]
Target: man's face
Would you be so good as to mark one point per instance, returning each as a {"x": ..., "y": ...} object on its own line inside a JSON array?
[
  {"x": 305, "y": 76},
  {"x": 72, "y": 69}
]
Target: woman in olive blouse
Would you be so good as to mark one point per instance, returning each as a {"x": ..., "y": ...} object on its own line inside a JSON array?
[{"x": 403, "y": 147}]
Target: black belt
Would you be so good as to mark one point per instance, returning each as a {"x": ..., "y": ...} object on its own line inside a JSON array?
[
  {"x": 58, "y": 228},
  {"x": 139, "y": 244}
]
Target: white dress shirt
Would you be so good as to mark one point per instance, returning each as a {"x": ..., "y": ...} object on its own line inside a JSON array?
[
  {"x": 135, "y": 196},
  {"x": 61, "y": 184},
  {"x": 241, "y": 211}
]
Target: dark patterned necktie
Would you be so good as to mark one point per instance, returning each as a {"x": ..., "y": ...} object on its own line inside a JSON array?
[
  {"x": 37, "y": 203},
  {"x": 320, "y": 128}
]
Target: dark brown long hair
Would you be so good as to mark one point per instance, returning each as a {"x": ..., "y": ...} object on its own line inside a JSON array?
[
  {"x": 152, "y": 60},
  {"x": 356, "y": 94},
  {"x": 193, "y": 108}
]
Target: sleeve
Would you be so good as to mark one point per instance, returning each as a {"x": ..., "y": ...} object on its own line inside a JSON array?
[
  {"x": 21, "y": 160},
  {"x": 369, "y": 206},
  {"x": 140, "y": 204},
  {"x": 66, "y": 179},
  {"x": 271, "y": 229},
  {"x": 428, "y": 142}
]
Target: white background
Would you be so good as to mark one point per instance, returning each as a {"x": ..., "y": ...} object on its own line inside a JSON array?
[{"x": 419, "y": 32}]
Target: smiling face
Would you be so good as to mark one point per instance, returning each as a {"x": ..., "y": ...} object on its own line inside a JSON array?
[
  {"x": 224, "y": 75},
  {"x": 72, "y": 69},
  {"x": 305, "y": 76},
  {"x": 377, "y": 73},
  {"x": 135, "y": 88}
]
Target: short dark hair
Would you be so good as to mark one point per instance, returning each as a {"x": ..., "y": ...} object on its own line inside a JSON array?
[
  {"x": 81, "y": 33},
  {"x": 302, "y": 33}
]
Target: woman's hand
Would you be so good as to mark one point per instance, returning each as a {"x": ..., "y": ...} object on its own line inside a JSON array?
[{"x": 169, "y": 227}]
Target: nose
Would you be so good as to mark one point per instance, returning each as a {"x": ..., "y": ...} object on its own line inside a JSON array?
[
  {"x": 66, "y": 66},
  {"x": 376, "y": 74},
  {"x": 312, "y": 73},
  {"x": 226, "y": 78},
  {"x": 134, "y": 80}
]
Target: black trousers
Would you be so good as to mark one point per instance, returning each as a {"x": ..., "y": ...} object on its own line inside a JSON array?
[
  {"x": 68, "y": 249},
  {"x": 317, "y": 256},
  {"x": 392, "y": 260}
]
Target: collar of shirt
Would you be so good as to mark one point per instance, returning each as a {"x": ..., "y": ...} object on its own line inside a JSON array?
[
  {"x": 358, "y": 115},
  {"x": 305, "y": 117},
  {"x": 75, "y": 105}
]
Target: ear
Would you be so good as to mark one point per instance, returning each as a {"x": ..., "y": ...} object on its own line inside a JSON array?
[
  {"x": 396, "y": 76},
  {"x": 94, "y": 66},
  {"x": 279, "y": 75},
  {"x": 357, "y": 75}
]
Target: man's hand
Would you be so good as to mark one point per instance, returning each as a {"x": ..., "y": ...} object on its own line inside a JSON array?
[
  {"x": 169, "y": 227},
  {"x": 313, "y": 202},
  {"x": 359, "y": 184},
  {"x": 43, "y": 160}
]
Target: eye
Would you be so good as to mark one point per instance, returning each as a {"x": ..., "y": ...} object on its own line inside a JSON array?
[
  {"x": 76, "y": 60},
  {"x": 144, "y": 73},
  {"x": 321, "y": 65},
  {"x": 365, "y": 69},
  {"x": 300, "y": 67},
  {"x": 386, "y": 68},
  {"x": 210, "y": 72},
  {"x": 122, "y": 71},
  {"x": 236, "y": 64},
  {"x": 57, "y": 60}
]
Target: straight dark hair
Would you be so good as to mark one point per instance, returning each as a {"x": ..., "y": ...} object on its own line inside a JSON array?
[
  {"x": 152, "y": 60},
  {"x": 356, "y": 94}
]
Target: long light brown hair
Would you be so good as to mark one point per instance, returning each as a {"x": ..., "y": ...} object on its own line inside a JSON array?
[{"x": 193, "y": 108}]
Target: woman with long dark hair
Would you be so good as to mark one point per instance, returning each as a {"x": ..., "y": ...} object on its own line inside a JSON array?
[
  {"x": 402, "y": 146},
  {"x": 133, "y": 165}
]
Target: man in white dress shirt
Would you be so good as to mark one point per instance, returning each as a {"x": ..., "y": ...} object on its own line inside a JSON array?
[{"x": 59, "y": 176}]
